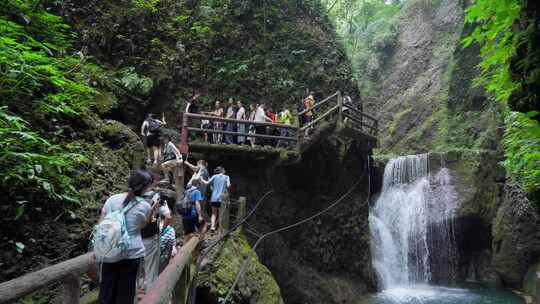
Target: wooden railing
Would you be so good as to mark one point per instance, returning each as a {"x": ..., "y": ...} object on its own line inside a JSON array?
[
  {"x": 176, "y": 278},
  {"x": 191, "y": 124},
  {"x": 362, "y": 121},
  {"x": 332, "y": 109},
  {"x": 173, "y": 283},
  {"x": 68, "y": 273}
]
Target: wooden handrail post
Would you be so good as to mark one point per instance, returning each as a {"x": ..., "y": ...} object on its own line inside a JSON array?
[
  {"x": 224, "y": 216},
  {"x": 72, "y": 290},
  {"x": 178, "y": 175},
  {"x": 340, "y": 105},
  {"x": 241, "y": 208},
  {"x": 184, "y": 147}
]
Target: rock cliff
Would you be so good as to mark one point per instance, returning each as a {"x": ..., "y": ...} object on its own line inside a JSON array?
[
  {"x": 425, "y": 98},
  {"x": 326, "y": 260}
]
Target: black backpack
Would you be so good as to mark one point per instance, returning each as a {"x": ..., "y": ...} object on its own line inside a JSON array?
[
  {"x": 185, "y": 206},
  {"x": 152, "y": 226},
  {"x": 154, "y": 125}
]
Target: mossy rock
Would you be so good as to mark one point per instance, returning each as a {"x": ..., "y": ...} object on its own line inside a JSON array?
[
  {"x": 516, "y": 236},
  {"x": 477, "y": 175},
  {"x": 530, "y": 284},
  {"x": 256, "y": 285}
]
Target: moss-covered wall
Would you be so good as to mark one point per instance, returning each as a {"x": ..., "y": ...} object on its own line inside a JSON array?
[
  {"x": 52, "y": 234},
  {"x": 516, "y": 236},
  {"x": 498, "y": 227},
  {"x": 426, "y": 98},
  {"x": 326, "y": 260},
  {"x": 256, "y": 285}
]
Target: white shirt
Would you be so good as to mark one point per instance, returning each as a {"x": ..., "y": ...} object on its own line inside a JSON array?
[
  {"x": 260, "y": 116},
  {"x": 241, "y": 114}
]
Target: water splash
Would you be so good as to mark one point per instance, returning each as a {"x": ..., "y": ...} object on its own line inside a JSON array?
[{"x": 411, "y": 224}]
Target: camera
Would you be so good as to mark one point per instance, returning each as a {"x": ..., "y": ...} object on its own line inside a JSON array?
[{"x": 159, "y": 198}]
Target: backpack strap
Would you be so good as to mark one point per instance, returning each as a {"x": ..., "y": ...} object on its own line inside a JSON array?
[{"x": 131, "y": 204}]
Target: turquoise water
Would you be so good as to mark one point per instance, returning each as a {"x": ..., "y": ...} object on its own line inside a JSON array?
[{"x": 427, "y": 294}]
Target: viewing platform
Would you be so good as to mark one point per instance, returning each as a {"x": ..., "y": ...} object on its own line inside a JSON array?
[{"x": 330, "y": 116}]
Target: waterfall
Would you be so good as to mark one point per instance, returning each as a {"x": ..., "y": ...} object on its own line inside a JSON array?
[{"x": 411, "y": 224}]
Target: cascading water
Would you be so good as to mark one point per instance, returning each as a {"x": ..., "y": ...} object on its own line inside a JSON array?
[
  {"x": 413, "y": 241},
  {"x": 411, "y": 223}
]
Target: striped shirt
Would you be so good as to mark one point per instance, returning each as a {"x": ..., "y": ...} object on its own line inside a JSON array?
[{"x": 167, "y": 239}]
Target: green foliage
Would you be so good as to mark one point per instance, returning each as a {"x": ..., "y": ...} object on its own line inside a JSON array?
[
  {"x": 369, "y": 30},
  {"x": 494, "y": 32},
  {"x": 134, "y": 82},
  {"x": 33, "y": 60},
  {"x": 42, "y": 87},
  {"x": 522, "y": 148},
  {"x": 29, "y": 160},
  {"x": 252, "y": 51},
  {"x": 500, "y": 38}
]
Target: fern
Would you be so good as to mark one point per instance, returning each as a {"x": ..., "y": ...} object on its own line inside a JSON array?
[{"x": 499, "y": 38}]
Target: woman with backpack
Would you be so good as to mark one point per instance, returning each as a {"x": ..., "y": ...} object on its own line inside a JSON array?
[
  {"x": 200, "y": 171},
  {"x": 119, "y": 272},
  {"x": 191, "y": 211},
  {"x": 150, "y": 131}
]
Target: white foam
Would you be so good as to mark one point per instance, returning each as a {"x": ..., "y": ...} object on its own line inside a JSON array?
[{"x": 411, "y": 224}]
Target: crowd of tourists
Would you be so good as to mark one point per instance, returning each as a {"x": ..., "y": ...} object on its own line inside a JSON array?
[
  {"x": 255, "y": 112},
  {"x": 134, "y": 240},
  {"x": 132, "y": 257}
]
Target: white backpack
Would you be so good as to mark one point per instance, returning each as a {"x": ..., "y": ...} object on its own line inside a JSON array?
[{"x": 110, "y": 237}]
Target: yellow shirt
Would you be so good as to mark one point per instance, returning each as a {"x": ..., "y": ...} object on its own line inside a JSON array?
[{"x": 285, "y": 117}]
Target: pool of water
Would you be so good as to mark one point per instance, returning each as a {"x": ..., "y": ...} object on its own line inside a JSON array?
[{"x": 427, "y": 294}]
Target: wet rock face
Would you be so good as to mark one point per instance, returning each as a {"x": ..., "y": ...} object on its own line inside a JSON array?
[
  {"x": 413, "y": 82},
  {"x": 497, "y": 226},
  {"x": 326, "y": 260},
  {"x": 516, "y": 236}
]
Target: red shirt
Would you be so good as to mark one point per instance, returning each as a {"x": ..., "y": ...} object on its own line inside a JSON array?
[{"x": 273, "y": 116}]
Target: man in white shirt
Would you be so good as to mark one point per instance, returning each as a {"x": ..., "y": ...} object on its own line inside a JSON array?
[
  {"x": 260, "y": 116},
  {"x": 241, "y": 115}
]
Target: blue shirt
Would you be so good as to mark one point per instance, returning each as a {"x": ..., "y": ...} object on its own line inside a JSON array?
[
  {"x": 220, "y": 183},
  {"x": 195, "y": 197}
]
